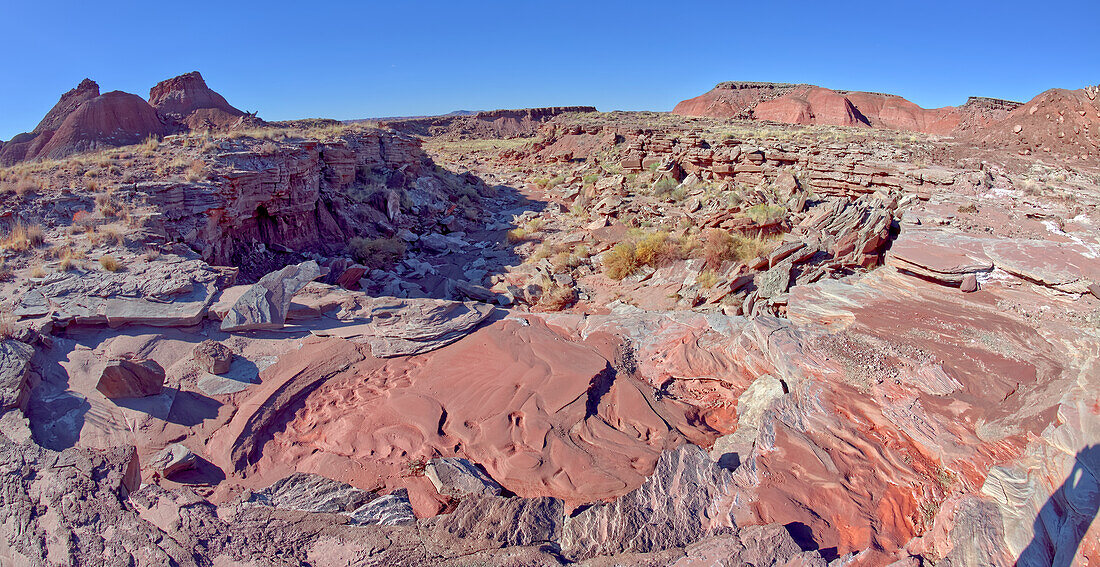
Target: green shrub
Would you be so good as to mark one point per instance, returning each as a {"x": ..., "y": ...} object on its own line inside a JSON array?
[
  {"x": 763, "y": 213},
  {"x": 664, "y": 186},
  {"x": 377, "y": 252}
]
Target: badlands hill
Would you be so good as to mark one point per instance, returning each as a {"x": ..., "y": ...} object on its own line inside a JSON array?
[
  {"x": 84, "y": 120},
  {"x": 809, "y": 104},
  {"x": 553, "y": 336}
]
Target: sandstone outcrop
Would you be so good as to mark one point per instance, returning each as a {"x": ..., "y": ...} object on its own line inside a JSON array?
[
  {"x": 402, "y": 327},
  {"x": 686, "y": 499},
  {"x": 485, "y": 124},
  {"x": 314, "y": 493}
]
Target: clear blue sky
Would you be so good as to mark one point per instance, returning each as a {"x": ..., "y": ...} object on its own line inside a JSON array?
[{"x": 364, "y": 59}]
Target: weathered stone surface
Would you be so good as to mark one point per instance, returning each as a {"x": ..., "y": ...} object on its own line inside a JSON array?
[
  {"x": 130, "y": 378},
  {"x": 459, "y": 477},
  {"x": 265, "y": 305},
  {"x": 15, "y": 359},
  {"x": 399, "y": 327},
  {"x": 774, "y": 281},
  {"x": 213, "y": 357},
  {"x": 172, "y": 459},
  {"x": 504, "y": 521},
  {"x": 170, "y": 292},
  {"x": 315, "y": 493},
  {"x": 940, "y": 255},
  {"x": 685, "y": 500}
]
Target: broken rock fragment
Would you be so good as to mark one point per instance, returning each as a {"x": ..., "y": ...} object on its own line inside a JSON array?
[
  {"x": 459, "y": 477},
  {"x": 131, "y": 378},
  {"x": 173, "y": 459},
  {"x": 213, "y": 357},
  {"x": 15, "y": 358},
  {"x": 265, "y": 305}
]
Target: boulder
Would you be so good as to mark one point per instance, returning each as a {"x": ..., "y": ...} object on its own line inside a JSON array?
[
  {"x": 459, "y": 477},
  {"x": 131, "y": 378},
  {"x": 940, "y": 255},
  {"x": 390, "y": 510},
  {"x": 969, "y": 283},
  {"x": 213, "y": 357},
  {"x": 786, "y": 185},
  {"x": 172, "y": 459},
  {"x": 505, "y": 521},
  {"x": 349, "y": 278},
  {"x": 265, "y": 305},
  {"x": 15, "y": 359}
]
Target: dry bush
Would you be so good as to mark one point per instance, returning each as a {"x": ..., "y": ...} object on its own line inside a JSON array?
[
  {"x": 25, "y": 186},
  {"x": 150, "y": 254},
  {"x": 557, "y": 297},
  {"x": 746, "y": 248},
  {"x": 37, "y": 271},
  {"x": 657, "y": 249},
  {"x": 8, "y": 327},
  {"x": 621, "y": 261},
  {"x": 110, "y": 263},
  {"x": 718, "y": 247},
  {"x": 968, "y": 208},
  {"x": 763, "y": 213},
  {"x": 196, "y": 171},
  {"x": 377, "y": 252},
  {"x": 150, "y": 144},
  {"x": 654, "y": 249}
]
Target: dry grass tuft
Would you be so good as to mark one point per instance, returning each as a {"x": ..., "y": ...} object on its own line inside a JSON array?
[
  {"x": 23, "y": 237},
  {"x": 110, "y": 263}
]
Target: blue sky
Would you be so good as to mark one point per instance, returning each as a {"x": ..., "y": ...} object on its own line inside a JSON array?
[{"x": 365, "y": 59}]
